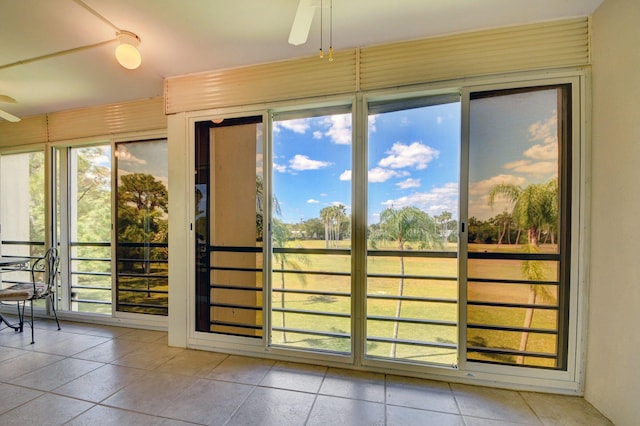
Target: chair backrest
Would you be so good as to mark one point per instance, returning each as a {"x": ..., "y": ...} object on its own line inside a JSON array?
[{"x": 45, "y": 270}]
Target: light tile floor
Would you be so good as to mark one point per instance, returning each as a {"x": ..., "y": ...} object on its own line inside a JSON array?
[{"x": 100, "y": 375}]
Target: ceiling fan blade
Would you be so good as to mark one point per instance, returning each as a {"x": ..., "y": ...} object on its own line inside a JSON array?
[
  {"x": 9, "y": 117},
  {"x": 302, "y": 22}
]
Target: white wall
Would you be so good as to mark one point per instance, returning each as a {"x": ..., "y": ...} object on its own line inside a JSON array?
[{"x": 613, "y": 356}]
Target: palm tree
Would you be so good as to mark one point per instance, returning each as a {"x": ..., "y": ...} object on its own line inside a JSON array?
[
  {"x": 534, "y": 208},
  {"x": 403, "y": 226},
  {"x": 280, "y": 237},
  {"x": 326, "y": 216}
]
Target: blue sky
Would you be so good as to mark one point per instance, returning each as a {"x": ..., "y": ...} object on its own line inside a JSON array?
[{"x": 414, "y": 156}]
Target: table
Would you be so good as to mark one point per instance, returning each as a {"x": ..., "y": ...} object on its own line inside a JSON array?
[{"x": 12, "y": 263}]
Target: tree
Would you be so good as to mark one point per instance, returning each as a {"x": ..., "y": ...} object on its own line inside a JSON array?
[
  {"x": 534, "y": 208},
  {"x": 403, "y": 226},
  {"x": 332, "y": 217}
]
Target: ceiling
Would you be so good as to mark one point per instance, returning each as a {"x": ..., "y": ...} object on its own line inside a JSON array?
[{"x": 189, "y": 36}]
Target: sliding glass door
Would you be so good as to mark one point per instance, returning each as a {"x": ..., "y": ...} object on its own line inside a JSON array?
[{"x": 413, "y": 197}]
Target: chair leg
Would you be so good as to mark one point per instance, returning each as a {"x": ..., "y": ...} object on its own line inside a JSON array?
[
  {"x": 53, "y": 306},
  {"x": 32, "y": 339}
]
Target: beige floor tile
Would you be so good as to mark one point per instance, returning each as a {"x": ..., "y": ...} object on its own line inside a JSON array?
[
  {"x": 354, "y": 384},
  {"x": 110, "y": 351},
  {"x": 12, "y": 396},
  {"x": 100, "y": 383},
  {"x": 57, "y": 374},
  {"x": 293, "y": 376},
  {"x": 404, "y": 416},
  {"x": 241, "y": 369},
  {"x": 478, "y": 421},
  {"x": 273, "y": 407},
  {"x": 496, "y": 404},
  {"x": 49, "y": 410},
  {"x": 207, "y": 402},
  {"x": 107, "y": 330},
  {"x": 25, "y": 364},
  {"x": 148, "y": 336},
  {"x": 8, "y": 353},
  {"x": 564, "y": 410},
  {"x": 108, "y": 416},
  {"x": 193, "y": 363},
  {"x": 329, "y": 410},
  {"x": 148, "y": 356},
  {"x": 151, "y": 393},
  {"x": 67, "y": 344},
  {"x": 422, "y": 394}
]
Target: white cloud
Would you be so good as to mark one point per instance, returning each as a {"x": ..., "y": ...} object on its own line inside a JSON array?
[
  {"x": 409, "y": 183},
  {"x": 372, "y": 123},
  {"x": 545, "y": 131},
  {"x": 479, "y": 196},
  {"x": 312, "y": 201},
  {"x": 433, "y": 202},
  {"x": 379, "y": 174},
  {"x": 346, "y": 175},
  {"x": 317, "y": 134},
  {"x": 339, "y": 128},
  {"x": 124, "y": 154},
  {"x": 538, "y": 168},
  {"x": 439, "y": 119},
  {"x": 298, "y": 125},
  {"x": 542, "y": 152},
  {"x": 415, "y": 155},
  {"x": 302, "y": 162},
  {"x": 279, "y": 168},
  {"x": 484, "y": 186}
]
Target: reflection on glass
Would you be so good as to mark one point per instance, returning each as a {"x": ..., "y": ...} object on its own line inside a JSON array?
[
  {"x": 514, "y": 284},
  {"x": 142, "y": 276}
]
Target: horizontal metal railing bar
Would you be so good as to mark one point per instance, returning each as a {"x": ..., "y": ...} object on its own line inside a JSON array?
[
  {"x": 512, "y": 305},
  {"x": 413, "y": 277},
  {"x": 516, "y": 329},
  {"x": 143, "y": 305},
  {"x": 91, "y": 259},
  {"x": 143, "y": 244},
  {"x": 138, "y": 290},
  {"x": 501, "y": 281},
  {"x": 510, "y": 352},
  {"x": 236, "y": 324},
  {"x": 412, "y": 253},
  {"x": 297, "y": 250},
  {"x": 234, "y": 306},
  {"x": 160, "y": 261},
  {"x": 305, "y": 272},
  {"x": 129, "y": 275},
  {"x": 412, "y": 342},
  {"x": 231, "y": 287},
  {"x": 310, "y": 292},
  {"x": 512, "y": 256},
  {"x": 88, "y": 287},
  {"x": 412, "y": 298},
  {"x": 412, "y": 320},
  {"x": 312, "y": 332},
  {"x": 315, "y": 313},
  {"x": 22, "y": 243},
  {"x": 226, "y": 268},
  {"x": 99, "y": 274},
  {"x": 88, "y": 244},
  {"x": 91, "y": 301},
  {"x": 235, "y": 249}
]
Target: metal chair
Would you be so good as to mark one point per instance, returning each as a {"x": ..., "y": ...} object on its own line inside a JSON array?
[{"x": 42, "y": 286}]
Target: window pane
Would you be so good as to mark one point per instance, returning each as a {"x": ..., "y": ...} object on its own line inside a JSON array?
[
  {"x": 90, "y": 228},
  {"x": 515, "y": 285},
  {"x": 412, "y": 266},
  {"x": 311, "y": 260},
  {"x": 142, "y": 280}
]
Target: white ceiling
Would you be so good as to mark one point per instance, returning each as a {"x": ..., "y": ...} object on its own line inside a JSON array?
[{"x": 189, "y": 36}]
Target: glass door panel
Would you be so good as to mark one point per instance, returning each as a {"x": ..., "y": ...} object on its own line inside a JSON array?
[
  {"x": 516, "y": 286},
  {"x": 229, "y": 226},
  {"x": 311, "y": 231},
  {"x": 142, "y": 280},
  {"x": 89, "y": 228},
  {"x": 22, "y": 210},
  {"x": 412, "y": 266}
]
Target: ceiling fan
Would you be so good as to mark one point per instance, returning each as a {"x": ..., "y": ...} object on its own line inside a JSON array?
[
  {"x": 302, "y": 21},
  {"x": 5, "y": 114}
]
